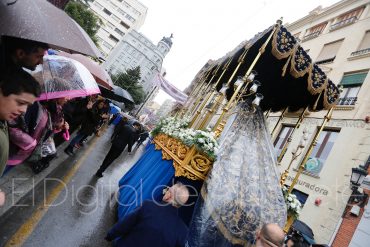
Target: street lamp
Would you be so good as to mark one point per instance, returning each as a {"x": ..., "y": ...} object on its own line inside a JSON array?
[{"x": 358, "y": 175}]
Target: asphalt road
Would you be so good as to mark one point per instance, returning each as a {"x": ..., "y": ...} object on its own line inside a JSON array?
[{"x": 71, "y": 207}]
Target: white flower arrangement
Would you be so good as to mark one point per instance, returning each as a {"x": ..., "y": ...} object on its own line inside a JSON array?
[
  {"x": 294, "y": 206},
  {"x": 204, "y": 140}
]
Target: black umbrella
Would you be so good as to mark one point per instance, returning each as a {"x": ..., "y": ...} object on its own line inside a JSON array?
[
  {"x": 117, "y": 94},
  {"x": 41, "y": 21},
  {"x": 304, "y": 230},
  {"x": 122, "y": 92}
]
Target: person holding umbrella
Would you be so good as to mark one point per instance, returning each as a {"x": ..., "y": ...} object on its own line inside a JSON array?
[{"x": 17, "y": 53}]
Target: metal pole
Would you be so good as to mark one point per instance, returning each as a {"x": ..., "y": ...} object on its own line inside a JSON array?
[
  {"x": 310, "y": 149},
  {"x": 205, "y": 100},
  {"x": 279, "y": 120},
  {"x": 297, "y": 125},
  {"x": 213, "y": 94},
  {"x": 147, "y": 98},
  {"x": 261, "y": 51}
]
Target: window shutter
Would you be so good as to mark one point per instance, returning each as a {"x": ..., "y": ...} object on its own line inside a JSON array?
[
  {"x": 365, "y": 44},
  {"x": 329, "y": 51},
  {"x": 352, "y": 80}
]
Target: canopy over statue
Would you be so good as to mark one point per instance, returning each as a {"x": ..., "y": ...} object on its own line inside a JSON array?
[{"x": 242, "y": 191}]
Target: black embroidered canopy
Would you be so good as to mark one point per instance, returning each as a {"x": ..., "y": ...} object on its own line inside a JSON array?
[{"x": 288, "y": 76}]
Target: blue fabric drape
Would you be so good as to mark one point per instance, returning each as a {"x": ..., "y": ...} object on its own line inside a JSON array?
[{"x": 144, "y": 181}]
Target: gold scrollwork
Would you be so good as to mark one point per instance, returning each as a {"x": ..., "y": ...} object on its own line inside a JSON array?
[{"x": 187, "y": 161}]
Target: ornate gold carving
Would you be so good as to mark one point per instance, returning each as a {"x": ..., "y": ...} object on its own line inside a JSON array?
[{"x": 187, "y": 161}]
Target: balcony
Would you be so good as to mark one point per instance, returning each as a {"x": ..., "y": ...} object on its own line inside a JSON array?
[
  {"x": 311, "y": 36},
  {"x": 359, "y": 54},
  {"x": 343, "y": 23},
  {"x": 350, "y": 101}
]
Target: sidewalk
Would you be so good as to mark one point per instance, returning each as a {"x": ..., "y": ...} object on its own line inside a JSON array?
[{"x": 20, "y": 180}]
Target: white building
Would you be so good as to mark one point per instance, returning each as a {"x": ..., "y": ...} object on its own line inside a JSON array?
[
  {"x": 338, "y": 39},
  {"x": 137, "y": 50},
  {"x": 119, "y": 17}
]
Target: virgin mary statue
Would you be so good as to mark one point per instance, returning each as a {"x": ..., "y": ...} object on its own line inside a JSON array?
[{"x": 242, "y": 191}]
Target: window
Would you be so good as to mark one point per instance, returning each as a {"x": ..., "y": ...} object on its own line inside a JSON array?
[
  {"x": 297, "y": 35},
  {"x": 116, "y": 18},
  {"x": 329, "y": 52},
  {"x": 302, "y": 197},
  {"x": 126, "y": 5},
  {"x": 347, "y": 19},
  {"x": 107, "y": 11},
  {"x": 121, "y": 11},
  {"x": 112, "y": 5},
  {"x": 106, "y": 45},
  {"x": 130, "y": 17},
  {"x": 364, "y": 47},
  {"x": 125, "y": 25},
  {"x": 99, "y": 6},
  {"x": 315, "y": 31},
  {"x": 104, "y": 31},
  {"x": 351, "y": 83},
  {"x": 119, "y": 32},
  {"x": 113, "y": 38},
  {"x": 109, "y": 24},
  {"x": 282, "y": 138},
  {"x": 321, "y": 152}
]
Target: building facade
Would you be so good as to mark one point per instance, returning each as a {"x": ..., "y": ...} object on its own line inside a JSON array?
[
  {"x": 118, "y": 17},
  {"x": 137, "y": 50},
  {"x": 337, "y": 38}
]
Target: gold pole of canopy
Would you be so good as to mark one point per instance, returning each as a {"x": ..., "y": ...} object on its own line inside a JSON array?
[
  {"x": 231, "y": 101},
  {"x": 217, "y": 102},
  {"x": 297, "y": 125},
  {"x": 279, "y": 120},
  {"x": 267, "y": 113},
  {"x": 310, "y": 149},
  {"x": 205, "y": 100},
  {"x": 196, "y": 91}
]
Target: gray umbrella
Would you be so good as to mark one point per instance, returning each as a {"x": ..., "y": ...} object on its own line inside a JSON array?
[
  {"x": 122, "y": 92},
  {"x": 41, "y": 21}
]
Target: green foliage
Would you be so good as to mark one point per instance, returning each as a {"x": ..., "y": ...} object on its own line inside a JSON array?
[
  {"x": 85, "y": 18},
  {"x": 129, "y": 81}
]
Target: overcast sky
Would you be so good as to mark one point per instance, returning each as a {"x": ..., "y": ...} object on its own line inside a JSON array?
[{"x": 208, "y": 29}]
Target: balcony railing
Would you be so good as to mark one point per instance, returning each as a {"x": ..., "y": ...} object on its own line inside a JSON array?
[
  {"x": 360, "y": 52},
  {"x": 347, "y": 101},
  {"x": 311, "y": 36},
  {"x": 343, "y": 23}
]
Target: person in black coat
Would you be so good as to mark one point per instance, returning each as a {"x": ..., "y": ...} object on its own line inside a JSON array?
[
  {"x": 154, "y": 224},
  {"x": 124, "y": 136},
  {"x": 89, "y": 123}
]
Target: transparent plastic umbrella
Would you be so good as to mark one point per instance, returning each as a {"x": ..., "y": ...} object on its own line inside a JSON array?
[{"x": 64, "y": 77}]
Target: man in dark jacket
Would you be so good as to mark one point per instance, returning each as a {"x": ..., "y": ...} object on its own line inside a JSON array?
[
  {"x": 154, "y": 224},
  {"x": 124, "y": 136},
  {"x": 16, "y": 53}
]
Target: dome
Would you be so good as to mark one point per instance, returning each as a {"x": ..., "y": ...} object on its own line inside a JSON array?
[{"x": 168, "y": 40}]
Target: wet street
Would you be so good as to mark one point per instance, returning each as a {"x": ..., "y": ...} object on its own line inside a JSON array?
[{"x": 71, "y": 207}]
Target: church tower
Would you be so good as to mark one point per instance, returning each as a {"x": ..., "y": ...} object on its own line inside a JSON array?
[{"x": 164, "y": 45}]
